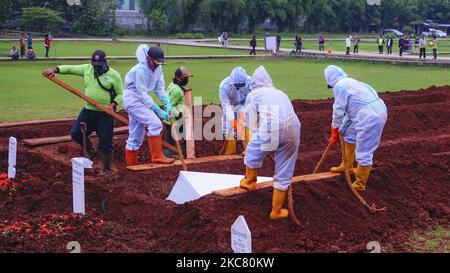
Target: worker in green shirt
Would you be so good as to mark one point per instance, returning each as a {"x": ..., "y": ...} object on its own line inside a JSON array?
[
  {"x": 104, "y": 85},
  {"x": 176, "y": 91}
]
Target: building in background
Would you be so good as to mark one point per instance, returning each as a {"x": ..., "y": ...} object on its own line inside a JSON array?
[{"x": 129, "y": 16}]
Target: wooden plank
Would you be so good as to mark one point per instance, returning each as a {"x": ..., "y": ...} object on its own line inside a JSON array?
[
  {"x": 33, "y": 122},
  {"x": 297, "y": 179},
  {"x": 60, "y": 139},
  {"x": 198, "y": 160},
  {"x": 189, "y": 124}
]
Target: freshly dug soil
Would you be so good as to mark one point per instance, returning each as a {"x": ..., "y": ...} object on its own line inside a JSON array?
[{"x": 411, "y": 178}]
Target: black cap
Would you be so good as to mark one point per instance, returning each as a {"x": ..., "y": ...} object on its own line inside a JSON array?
[
  {"x": 157, "y": 54},
  {"x": 98, "y": 58}
]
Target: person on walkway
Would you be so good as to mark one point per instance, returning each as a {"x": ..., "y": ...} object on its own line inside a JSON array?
[
  {"x": 298, "y": 43},
  {"x": 401, "y": 45},
  {"x": 22, "y": 45},
  {"x": 348, "y": 44},
  {"x": 359, "y": 115},
  {"x": 144, "y": 114},
  {"x": 380, "y": 42},
  {"x": 47, "y": 44},
  {"x": 423, "y": 48},
  {"x": 176, "y": 91},
  {"x": 416, "y": 44},
  {"x": 104, "y": 85},
  {"x": 357, "y": 40},
  {"x": 253, "y": 45},
  {"x": 29, "y": 41},
  {"x": 14, "y": 54},
  {"x": 276, "y": 128},
  {"x": 321, "y": 42},
  {"x": 225, "y": 39},
  {"x": 233, "y": 91},
  {"x": 434, "y": 47},
  {"x": 278, "y": 42},
  {"x": 389, "y": 45}
]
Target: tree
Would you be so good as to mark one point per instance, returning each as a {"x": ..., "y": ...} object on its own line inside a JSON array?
[
  {"x": 158, "y": 18},
  {"x": 40, "y": 19},
  {"x": 94, "y": 17}
]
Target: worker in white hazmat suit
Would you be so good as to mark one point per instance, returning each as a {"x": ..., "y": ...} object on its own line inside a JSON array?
[
  {"x": 144, "y": 113},
  {"x": 359, "y": 115},
  {"x": 275, "y": 128},
  {"x": 233, "y": 92}
]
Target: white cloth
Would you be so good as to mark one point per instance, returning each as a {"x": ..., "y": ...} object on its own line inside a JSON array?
[
  {"x": 275, "y": 126},
  {"x": 232, "y": 99},
  {"x": 348, "y": 42},
  {"x": 358, "y": 112},
  {"x": 140, "y": 81}
]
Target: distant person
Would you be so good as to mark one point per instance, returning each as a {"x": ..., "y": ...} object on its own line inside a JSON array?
[
  {"x": 253, "y": 45},
  {"x": 225, "y": 39},
  {"x": 29, "y": 41},
  {"x": 348, "y": 44},
  {"x": 380, "y": 42},
  {"x": 423, "y": 48},
  {"x": 433, "y": 45},
  {"x": 31, "y": 55},
  {"x": 401, "y": 46},
  {"x": 416, "y": 44},
  {"x": 22, "y": 45},
  {"x": 47, "y": 44},
  {"x": 14, "y": 54},
  {"x": 278, "y": 42},
  {"x": 356, "y": 47},
  {"x": 321, "y": 42},
  {"x": 298, "y": 43},
  {"x": 389, "y": 45}
]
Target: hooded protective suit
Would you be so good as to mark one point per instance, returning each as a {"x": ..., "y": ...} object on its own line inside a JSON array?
[
  {"x": 358, "y": 112},
  {"x": 142, "y": 110},
  {"x": 275, "y": 127},
  {"x": 231, "y": 97}
]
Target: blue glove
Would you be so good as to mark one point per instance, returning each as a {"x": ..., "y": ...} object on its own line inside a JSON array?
[
  {"x": 167, "y": 104},
  {"x": 159, "y": 112}
]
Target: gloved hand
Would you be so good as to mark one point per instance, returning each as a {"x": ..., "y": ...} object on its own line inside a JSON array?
[
  {"x": 167, "y": 104},
  {"x": 334, "y": 136},
  {"x": 160, "y": 112}
]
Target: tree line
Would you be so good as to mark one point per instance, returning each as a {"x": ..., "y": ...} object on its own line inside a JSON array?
[{"x": 94, "y": 17}]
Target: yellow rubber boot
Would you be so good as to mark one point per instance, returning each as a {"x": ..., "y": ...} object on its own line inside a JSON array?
[
  {"x": 248, "y": 136},
  {"x": 277, "y": 202},
  {"x": 350, "y": 156},
  {"x": 362, "y": 175},
  {"x": 230, "y": 147},
  {"x": 249, "y": 181}
]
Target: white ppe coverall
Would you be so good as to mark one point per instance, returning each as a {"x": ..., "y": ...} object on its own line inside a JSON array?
[
  {"x": 275, "y": 127},
  {"x": 232, "y": 98},
  {"x": 139, "y": 82},
  {"x": 358, "y": 112}
]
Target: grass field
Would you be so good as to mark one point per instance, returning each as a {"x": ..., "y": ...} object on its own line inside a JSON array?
[
  {"x": 26, "y": 95},
  {"x": 85, "y": 48}
]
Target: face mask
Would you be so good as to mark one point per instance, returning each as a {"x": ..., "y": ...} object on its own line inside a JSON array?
[
  {"x": 100, "y": 70},
  {"x": 181, "y": 81}
]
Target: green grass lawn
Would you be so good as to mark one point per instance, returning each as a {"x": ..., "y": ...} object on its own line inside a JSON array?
[
  {"x": 86, "y": 48},
  {"x": 26, "y": 95}
]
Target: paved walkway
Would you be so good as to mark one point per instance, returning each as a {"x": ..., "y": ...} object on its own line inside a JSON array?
[{"x": 407, "y": 58}]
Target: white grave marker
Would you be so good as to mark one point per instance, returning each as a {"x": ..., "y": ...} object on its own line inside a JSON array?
[
  {"x": 241, "y": 238},
  {"x": 12, "y": 157},
  {"x": 78, "y": 166}
]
